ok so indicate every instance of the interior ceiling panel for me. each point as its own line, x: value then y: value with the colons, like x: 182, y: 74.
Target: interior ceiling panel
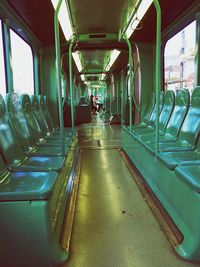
x: 39, y: 16
x: 95, y: 16
x: 105, y: 16
x: 94, y: 60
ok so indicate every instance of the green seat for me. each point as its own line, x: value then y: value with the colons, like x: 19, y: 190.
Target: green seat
x: 32, y: 206
x: 190, y: 175
x: 182, y: 102
x: 188, y: 135
x: 50, y: 117
x: 152, y: 121
x: 164, y: 117
x: 43, y: 116
x: 40, y: 137
x: 18, y: 186
x: 145, y: 121
x: 41, y: 119
x: 174, y: 159
x: 14, y: 154
x: 24, y: 132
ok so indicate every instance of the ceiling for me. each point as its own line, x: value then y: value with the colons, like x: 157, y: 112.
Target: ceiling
x: 92, y: 17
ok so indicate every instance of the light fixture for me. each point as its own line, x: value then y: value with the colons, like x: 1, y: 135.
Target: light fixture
x: 114, y: 55
x: 77, y: 60
x: 82, y: 77
x: 103, y: 76
x: 64, y: 19
x: 137, y: 17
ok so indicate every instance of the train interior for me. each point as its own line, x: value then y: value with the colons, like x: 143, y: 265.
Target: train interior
x: 99, y: 133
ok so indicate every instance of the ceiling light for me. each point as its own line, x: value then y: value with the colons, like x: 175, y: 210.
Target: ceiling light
x: 77, y: 60
x: 82, y: 77
x: 113, y: 57
x: 137, y: 17
x: 64, y: 19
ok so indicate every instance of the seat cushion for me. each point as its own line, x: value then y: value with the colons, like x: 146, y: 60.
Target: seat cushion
x: 28, y: 186
x: 174, y: 159
x: 35, y: 164
x: 190, y: 175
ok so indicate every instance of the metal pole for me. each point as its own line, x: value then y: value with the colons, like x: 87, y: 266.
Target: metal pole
x: 132, y: 15
x: 158, y: 79
x: 131, y: 83
x: 110, y: 87
x: 58, y: 71
x: 9, y: 81
x: 71, y: 80
x: 117, y: 87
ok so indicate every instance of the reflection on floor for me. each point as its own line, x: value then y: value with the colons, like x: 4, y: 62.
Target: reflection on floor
x: 113, y: 227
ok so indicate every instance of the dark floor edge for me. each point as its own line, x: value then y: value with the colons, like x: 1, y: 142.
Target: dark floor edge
x: 69, y: 216
x: 171, y: 231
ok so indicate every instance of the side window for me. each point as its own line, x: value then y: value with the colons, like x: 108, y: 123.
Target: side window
x: 22, y: 65
x: 179, y: 59
x: 2, y: 65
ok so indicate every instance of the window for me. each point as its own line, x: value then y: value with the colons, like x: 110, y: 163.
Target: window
x: 22, y: 65
x: 2, y: 65
x: 179, y: 59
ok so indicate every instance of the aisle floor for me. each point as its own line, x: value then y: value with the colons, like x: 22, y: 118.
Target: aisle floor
x: 113, y: 226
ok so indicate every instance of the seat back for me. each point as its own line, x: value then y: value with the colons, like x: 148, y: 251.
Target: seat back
x: 146, y: 118
x: 3, y: 170
x: 198, y: 146
x: 180, y: 110
x: 13, y: 107
x: 190, y: 129
x: 152, y: 119
x: 38, y: 115
x: 44, y: 112
x: 30, y: 118
x: 167, y: 109
x: 50, y: 114
x: 10, y: 146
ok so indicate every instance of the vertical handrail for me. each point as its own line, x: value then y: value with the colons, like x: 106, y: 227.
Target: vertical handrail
x: 7, y: 46
x: 131, y: 82
x: 110, y: 87
x: 71, y: 80
x: 158, y: 78
x: 117, y: 86
x: 58, y: 72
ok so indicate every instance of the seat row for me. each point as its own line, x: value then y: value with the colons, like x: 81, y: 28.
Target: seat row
x: 179, y: 126
x: 37, y: 175
x: 172, y: 173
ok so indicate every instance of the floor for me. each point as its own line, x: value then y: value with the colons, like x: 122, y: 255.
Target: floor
x: 114, y: 226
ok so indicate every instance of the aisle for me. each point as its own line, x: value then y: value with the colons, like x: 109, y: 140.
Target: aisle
x: 113, y: 227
